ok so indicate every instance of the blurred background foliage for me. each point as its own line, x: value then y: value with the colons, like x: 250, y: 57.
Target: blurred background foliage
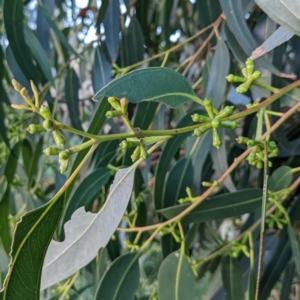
x: 71, y: 49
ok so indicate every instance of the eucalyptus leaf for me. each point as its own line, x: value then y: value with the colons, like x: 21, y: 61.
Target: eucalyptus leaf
x: 151, y: 84
x: 280, y: 179
x: 82, y: 235
x: 295, y: 247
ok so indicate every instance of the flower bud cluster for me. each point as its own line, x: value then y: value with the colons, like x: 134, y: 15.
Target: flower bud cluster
x: 120, y: 107
x: 256, y: 156
x: 214, y: 121
x: 247, y: 80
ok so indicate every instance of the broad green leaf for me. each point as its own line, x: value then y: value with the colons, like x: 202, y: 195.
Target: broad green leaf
x: 176, y: 278
x: 57, y: 31
x: 39, y: 53
x: 111, y: 24
x: 150, y: 84
x: 219, y: 69
x: 87, y: 191
x: 35, y: 228
x: 13, y: 21
x: 280, y: 179
x: 81, y: 245
x: 101, y: 69
x: 232, y: 278
x: 281, y: 12
x: 71, y: 90
x: 219, y: 207
x: 166, y: 157
x: 220, y: 164
x: 121, y: 279
x: 101, y: 14
x: 237, y: 24
x: 295, y: 248
x: 132, y: 44
x: 280, y: 36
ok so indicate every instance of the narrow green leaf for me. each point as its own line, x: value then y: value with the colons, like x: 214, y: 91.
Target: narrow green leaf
x: 166, y: 18
x: 13, y: 21
x: 175, y: 278
x: 101, y: 69
x: 295, y: 248
x: 208, y: 10
x: 237, y: 24
x: 57, y: 31
x: 280, y: 179
x: 171, y: 87
x: 280, y: 36
x: 219, y: 70
x: 34, y: 228
x: 71, y: 90
x: 166, y: 157
x: 111, y: 24
x: 219, y: 207
x: 132, y: 44
x: 232, y: 277
x: 39, y: 53
x: 27, y: 153
x: 283, y: 12
x: 121, y: 279
x: 287, y: 281
x: 87, y: 191
x: 81, y: 246
x: 34, y: 161
x: 101, y: 14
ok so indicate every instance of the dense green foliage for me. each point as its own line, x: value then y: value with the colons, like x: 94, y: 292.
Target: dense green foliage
x: 149, y: 149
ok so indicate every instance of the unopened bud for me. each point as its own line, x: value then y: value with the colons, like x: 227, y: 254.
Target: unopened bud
x: 51, y: 151
x: 136, y: 154
x: 58, y: 138
x: 114, y: 103
x: 124, y: 105
x: 16, y: 85
x: 48, y: 124
x: 111, y: 114
x: 35, y: 128
x: 45, y: 112
x: 64, y: 155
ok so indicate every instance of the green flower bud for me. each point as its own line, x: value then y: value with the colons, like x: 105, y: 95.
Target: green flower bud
x: 45, y: 112
x: 124, y: 105
x: 128, y: 144
x: 215, y: 123
x: 259, y: 164
x: 16, y: 85
x: 252, y: 143
x: 136, y: 154
x: 225, y: 112
x: 58, y: 138
x: 143, y: 152
x: 51, y: 151
x: 64, y: 164
x: 252, y: 156
x: 208, y: 107
x: 242, y: 140
x: 64, y: 155
x: 270, y: 164
x: 234, y: 78
x: 48, y: 124
x: 242, y: 88
x: 35, y: 128
x: 199, y: 131
x: 35, y: 93
x: 256, y: 75
x: 114, y: 103
x: 230, y: 78
x: 245, y: 73
x: 249, y: 66
x: 272, y: 145
x: 230, y: 124
x: 200, y: 118
x: 111, y: 114
x: 216, y: 138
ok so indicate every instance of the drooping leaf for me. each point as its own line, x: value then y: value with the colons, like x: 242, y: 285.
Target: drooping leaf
x: 238, y: 26
x: 280, y: 36
x: 176, y: 278
x: 57, y: 31
x: 219, y: 207
x: 101, y: 14
x: 87, y: 191
x: 166, y: 157
x: 208, y: 10
x: 101, y: 69
x: 81, y: 245
x: 232, y: 278
x: 34, y: 228
x: 166, y: 18
x: 71, y: 90
x: 13, y: 21
x: 132, y: 44
x: 283, y: 12
x: 111, y: 24
x: 295, y: 247
x: 151, y: 84
x: 280, y: 179
x: 121, y: 279
x: 39, y: 53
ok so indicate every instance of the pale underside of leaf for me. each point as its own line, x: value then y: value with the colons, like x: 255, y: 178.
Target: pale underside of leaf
x: 86, y: 232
